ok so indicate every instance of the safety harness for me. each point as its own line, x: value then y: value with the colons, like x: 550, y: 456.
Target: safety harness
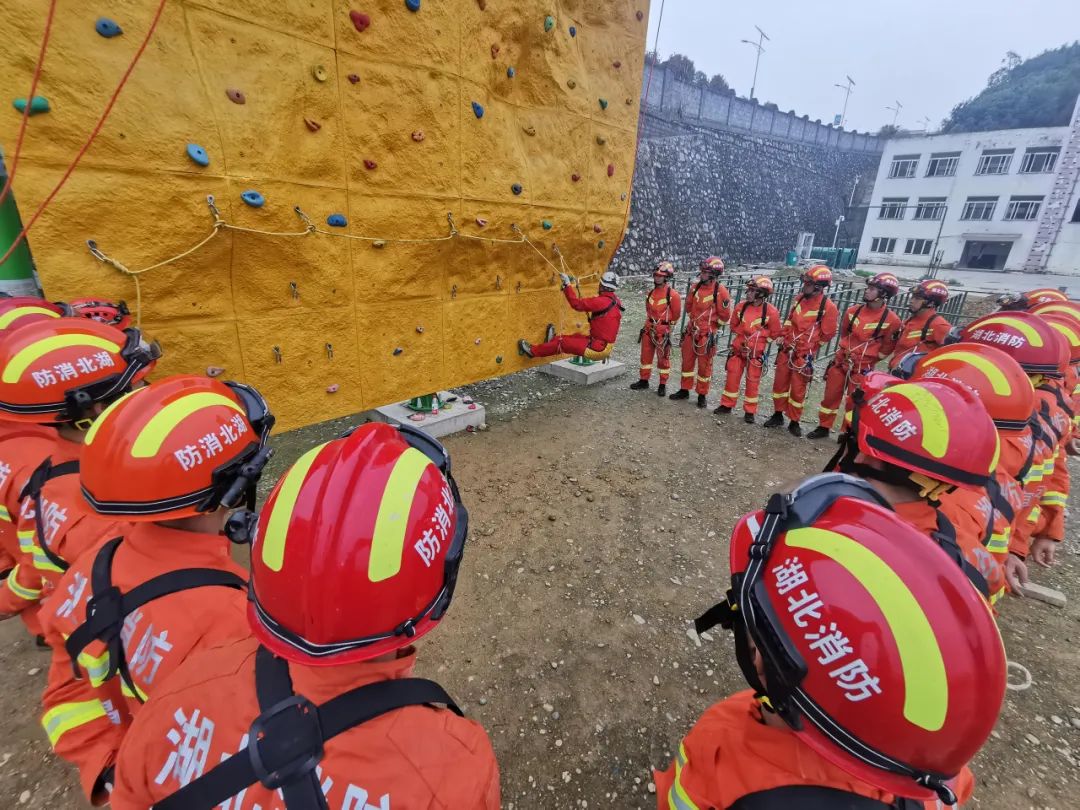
x: 287, y: 740
x: 652, y: 323
x: 815, y: 797
x: 808, y: 363
x: 615, y: 302
x: 880, y: 324
x: 35, y: 484
x: 945, y: 537
x: 1063, y: 403
x: 109, y: 606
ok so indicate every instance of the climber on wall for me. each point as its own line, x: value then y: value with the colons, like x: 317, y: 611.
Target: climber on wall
x: 605, y: 314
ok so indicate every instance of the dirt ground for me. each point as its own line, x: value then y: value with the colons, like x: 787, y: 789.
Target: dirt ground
x: 600, y: 526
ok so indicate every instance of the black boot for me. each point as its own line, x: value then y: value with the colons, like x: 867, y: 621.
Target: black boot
x: 640, y: 385
x: 661, y: 390
x: 795, y: 429
x: 701, y: 401
x: 680, y: 394
x: 776, y: 420
x: 524, y: 348
x: 748, y: 418
x: 722, y: 409
x: 818, y: 433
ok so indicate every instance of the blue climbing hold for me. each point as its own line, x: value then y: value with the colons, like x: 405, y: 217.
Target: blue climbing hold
x: 253, y: 198
x: 547, y: 224
x: 516, y: 188
x: 38, y: 104
x: 412, y: 5
x: 573, y: 31
x: 337, y: 220
x: 478, y: 109
x: 549, y: 23
x: 510, y: 73
x: 603, y: 104
x: 108, y: 28
x: 198, y: 154
x: 600, y: 244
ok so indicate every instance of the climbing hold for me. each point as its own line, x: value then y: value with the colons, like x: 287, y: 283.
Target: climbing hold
x: 108, y: 28
x: 419, y: 330
x: 418, y: 135
x: 494, y: 51
x: 333, y: 389
x: 549, y: 23
x: 510, y: 72
x: 236, y: 96
x: 398, y: 351
x: 597, y: 228
x: 498, y: 359
x: 529, y: 130
x: 253, y: 198
x: 478, y: 109
x: 481, y: 222
x: 38, y: 104
x: 379, y: 243
x: 198, y: 154
x: 319, y: 72
x: 623, y: 196
x: 616, y: 64
x: 337, y: 221
x: 547, y: 224
x: 611, y: 170
x: 412, y: 5
x: 575, y: 177
x: 370, y: 165
x: 629, y: 102
x: 214, y: 371
x: 482, y: 4
x: 600, y: 244
x: 353, y: 78
x: 294, y: 290
x: 573, y: 31
x: 600, y: 140
x: 277, y: 354
x: 314, y: 126
x: 603, y: 104
x: 516, y: 188
x: 571, y: 83
x: 360, y: 20
x: 477, y: 341
x: 640, y: 16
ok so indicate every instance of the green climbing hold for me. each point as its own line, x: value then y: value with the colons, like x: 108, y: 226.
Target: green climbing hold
x: 603, y: 104
x: 600, y: 244
x: 547, y: 224
x: 549, y: 23
x: 38, y: 104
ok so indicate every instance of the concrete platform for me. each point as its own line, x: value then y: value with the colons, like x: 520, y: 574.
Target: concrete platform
x: 455, y: 418
x: 584, y: 375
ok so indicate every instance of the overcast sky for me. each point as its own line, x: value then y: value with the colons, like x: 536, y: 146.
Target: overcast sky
x: 928, y: 54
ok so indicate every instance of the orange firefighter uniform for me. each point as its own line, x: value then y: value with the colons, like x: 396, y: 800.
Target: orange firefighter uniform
x: 708, y: 306
x: 754, y: 326
x: 1051, y: 522
x: 810, y: 323
x: 411, y: 758
x: 866, y: 336
x: 1054, y: 426
x: 730, y: 753
x: 663, y: 308
x: 920, y: 333
x: 85, y: 717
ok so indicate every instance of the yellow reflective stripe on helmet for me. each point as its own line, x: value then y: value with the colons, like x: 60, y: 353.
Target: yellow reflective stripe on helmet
x: 65, y: 717
x: 24, y: 593
x: 926, y: 688
x: 935, y: 423
x: 272, y: 542
x: 1069, y: 333
x: 154, y: 433
x: 678, y: 798
x: 997, y: 453
x: 1026, y: 329
x: 998, y: 381
x: 388, y: 542
x: 92, y: 432
x: 13, y: 315
x: 35, y: 351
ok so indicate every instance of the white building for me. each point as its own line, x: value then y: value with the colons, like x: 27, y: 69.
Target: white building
x: 1004, y: 200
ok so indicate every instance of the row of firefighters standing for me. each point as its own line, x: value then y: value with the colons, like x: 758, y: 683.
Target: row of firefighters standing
x: 180, y: 680
x: 869, y: 333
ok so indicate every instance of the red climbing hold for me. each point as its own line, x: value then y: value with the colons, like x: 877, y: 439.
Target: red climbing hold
x: 640, y: 16
x: 482, y: 4
x: 597, y: 228
x: 314, y: 126
x: 611, y: 170
x: 494, y: 51
x: 418, y: 136
x: 616, y: 64
x: 481, y: 222
x: 575, y: 177
x: 236, y: 96
x: 361, y: 21
x: 370, y: 164
x: 333, y: 389
x: 353, y: 78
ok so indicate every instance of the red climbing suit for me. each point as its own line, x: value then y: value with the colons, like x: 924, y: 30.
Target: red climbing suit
x: 810, y: 324
x: 662, y: 310
x: 708, y: 305
x: 730, y: 753
x: 605, y: 315
x: 754, y: 326
x: 866, y: 335
x: 920, y: 333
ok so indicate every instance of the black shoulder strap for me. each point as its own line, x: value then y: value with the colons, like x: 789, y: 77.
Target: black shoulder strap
x: 1048, y: 420
x: 667, y: 299
x: 999, y: 501
x: 945, y: 537
x: 881, y: 323
x: 814, y: 797
x: 927, y: 325
x: 855, y: 317
x: 286, y: 741
x: 44, y: 473
x: 765, y: 313
x: 1037, y: 435
x: 821, y: 309
x: 109, y: 606
x: 1060, y: 397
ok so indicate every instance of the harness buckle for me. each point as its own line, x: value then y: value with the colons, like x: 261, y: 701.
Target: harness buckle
x: 292, y: 754
x: 103, y: 614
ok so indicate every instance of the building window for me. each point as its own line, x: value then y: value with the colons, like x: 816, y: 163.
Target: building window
x: 882, y: 244
x: 995, y: 161
x: 919, y: 247
x: 1023, y: 208
x: 979, y: 208
x: 892, y: 207
x: 904, y: 166
x: 930, y: 208
x: 942, y: 164
x: 1040, y: 160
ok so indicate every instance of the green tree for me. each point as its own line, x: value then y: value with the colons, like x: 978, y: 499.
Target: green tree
x: 888, y: 131
x: 719, y: 84
x: 681, y: 67
x: 1038, y: 92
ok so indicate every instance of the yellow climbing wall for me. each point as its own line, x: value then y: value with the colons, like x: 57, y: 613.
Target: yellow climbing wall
x: 391, y: 142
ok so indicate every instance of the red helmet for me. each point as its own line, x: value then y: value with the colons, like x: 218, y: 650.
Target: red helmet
x: 886, y: 282
x: 762, y: 284
x: 818, y: 274
x: 1044, y: 295
x: 931, y: 290
x: 713, y: 265
x: 876, y: 649
x: 665, y: 270
x: 114, y: 314
x: 54, y: 370
x: 1069, y: 308
x: 357, y: 548
x: 175, y: 449
x: 1069, y: 329
x: 1003, y: 387
x: 1027, y: 338
x: 21, y: 310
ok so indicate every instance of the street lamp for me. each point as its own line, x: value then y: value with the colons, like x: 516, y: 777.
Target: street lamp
x: 847, y: 95
x: 896, y: 112
x: 757, y: 61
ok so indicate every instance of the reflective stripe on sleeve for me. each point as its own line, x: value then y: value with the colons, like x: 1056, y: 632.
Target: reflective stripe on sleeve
x: 678, y: 799
x: 687, y: 374
x: 1054, y: 499
x: 1034, y: 516
x: 66, y: 717
x: 5, y: 514
x: 27, y: 594
x: 999, y: 543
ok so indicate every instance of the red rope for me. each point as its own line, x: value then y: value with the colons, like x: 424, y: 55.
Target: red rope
x: 93, y: 135
x: 29, y: 100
